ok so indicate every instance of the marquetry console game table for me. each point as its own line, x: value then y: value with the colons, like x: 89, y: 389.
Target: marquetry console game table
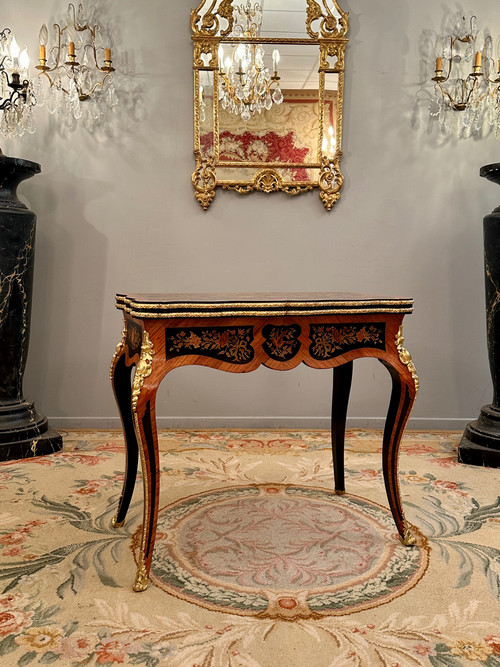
x: 238, y: 333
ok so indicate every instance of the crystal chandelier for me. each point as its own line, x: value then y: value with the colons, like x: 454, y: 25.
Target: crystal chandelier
x: 246, y: 85
x: 17, y: 97
x: 77, y: 67
x: 467, y: 79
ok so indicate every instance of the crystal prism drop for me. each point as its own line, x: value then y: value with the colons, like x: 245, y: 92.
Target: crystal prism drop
x: 81, y: 19
x: 29, y: 122
x: 111, y: 96
x: 51, y: 100
x: 77, y: 109
x: 278, y: 96
x: 94, y: 109
x: 73, y: 93
x: 86, y: 82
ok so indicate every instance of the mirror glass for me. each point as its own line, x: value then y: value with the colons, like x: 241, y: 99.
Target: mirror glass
x: 268, y: 96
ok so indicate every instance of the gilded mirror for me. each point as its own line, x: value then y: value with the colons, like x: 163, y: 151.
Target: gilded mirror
x: 268, y: 92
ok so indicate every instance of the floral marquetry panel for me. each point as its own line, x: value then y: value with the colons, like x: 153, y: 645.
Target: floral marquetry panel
x: 261, y: 123
x: 281, y: 342
x: 134, y: 338
x: 232, y: 344
x: 330, y: 340
x: 244, y: 343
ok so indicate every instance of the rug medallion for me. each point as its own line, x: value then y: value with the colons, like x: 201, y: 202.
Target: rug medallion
x: 282, y: 551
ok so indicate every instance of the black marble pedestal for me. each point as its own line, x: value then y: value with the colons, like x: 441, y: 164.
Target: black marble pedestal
x: 480, y: 443
x: 23, y: 432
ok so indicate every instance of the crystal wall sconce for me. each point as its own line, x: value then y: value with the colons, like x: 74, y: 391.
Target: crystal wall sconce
x: 16, y: 88
x: 467, y: 80
x: 77, y: 67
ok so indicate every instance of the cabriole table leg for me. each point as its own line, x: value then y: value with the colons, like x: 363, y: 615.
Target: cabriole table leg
x: 402, y: 399
x: 122, y: 387
x: 342, y: 378
x: 143, y: 409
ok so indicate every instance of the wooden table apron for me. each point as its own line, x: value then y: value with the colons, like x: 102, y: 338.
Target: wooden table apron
x: 143, y: 345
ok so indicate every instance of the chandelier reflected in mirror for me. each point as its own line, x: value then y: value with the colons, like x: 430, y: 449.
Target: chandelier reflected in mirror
x: 246, y: 85
x: 467, y: 80
x: 77, y: 67
x: 17, y: 96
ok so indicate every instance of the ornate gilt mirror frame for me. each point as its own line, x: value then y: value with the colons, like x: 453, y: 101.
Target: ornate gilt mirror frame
x: 213, y: 27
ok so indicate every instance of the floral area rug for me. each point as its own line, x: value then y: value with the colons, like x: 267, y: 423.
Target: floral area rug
x: 257, y: 562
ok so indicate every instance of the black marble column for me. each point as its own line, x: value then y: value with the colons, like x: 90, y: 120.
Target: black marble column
x: 480, y: 443
x: 23, y: 432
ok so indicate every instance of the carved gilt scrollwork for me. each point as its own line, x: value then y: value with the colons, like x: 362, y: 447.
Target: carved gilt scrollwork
x: 267, y: 180
x: 205, y: 47
x: 330, y: 25
x: 204, y: 180
x: 331, y: 49
x: 209, y: 22
x: 330, y: 181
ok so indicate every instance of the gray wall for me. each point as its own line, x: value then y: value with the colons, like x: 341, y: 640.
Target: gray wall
x: 117, y: 213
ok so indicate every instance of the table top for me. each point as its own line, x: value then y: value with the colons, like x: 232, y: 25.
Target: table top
x: 168, y: 305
